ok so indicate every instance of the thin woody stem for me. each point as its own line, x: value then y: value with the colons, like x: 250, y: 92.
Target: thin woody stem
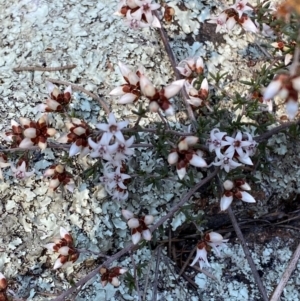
x: 239, y: 234
x: 44, y: 69
x: 171, y: 56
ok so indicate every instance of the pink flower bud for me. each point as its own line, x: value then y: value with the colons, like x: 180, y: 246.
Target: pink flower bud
x: 148, y: 219
x: 153, y: 106
x: 54, y: 183
x: 173, y: 158
x: 127, y: 98
x: 181, y: 172
x: 24, y: 121
x: 58, y: 264
x: 197, y: 161
x: 79, y: 131
x: 136, y: 237
x: 225, y: 201
x: 50, y: 246
x: 147, y: 87
x: 127, y: 214
x: 30, y: 133
x: 147, y: 234
x: 246, y: 197
x: 26, y: 143
x: 214, y: 237
x: 133, y: 223
x: 53, y: 105
x: 115, y: 281
x: 64, y: 250
x: 51, y: 132
x: 228, y: 185
x: 173, y: 88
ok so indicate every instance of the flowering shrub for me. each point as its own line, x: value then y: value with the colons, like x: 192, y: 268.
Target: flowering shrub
x: 211, y: 143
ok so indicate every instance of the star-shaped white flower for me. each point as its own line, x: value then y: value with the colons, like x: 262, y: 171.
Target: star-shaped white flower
x: 113, y: 128
x: 20, y: 171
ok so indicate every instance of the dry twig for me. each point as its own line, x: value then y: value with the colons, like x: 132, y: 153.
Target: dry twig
x: 239, y: 234
x: 78, y: 88
x: 287, y: 274
x: 171, y: 56
x: 43, y: 69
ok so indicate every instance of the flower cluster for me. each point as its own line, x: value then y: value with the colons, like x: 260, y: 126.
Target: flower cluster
x: 236, y: 190
x: 113, y: 148
x: 184, y: 155
x: 138, y: 84
x: 3, y: 288
x: 111, y: 275
x: 211, y: 240
x: 139, y: 226
x: 65, y: 248
x: 284, y: 49
x: 79, y: 133
x: 235, y: 15
x: 229, y: 149
x: 29, y: 133
x: 59, y: 176
x: 286, y: 87
x: 58, y: 101
x: 114, y: 180
x: 191, y: 68
x: 138, y: 13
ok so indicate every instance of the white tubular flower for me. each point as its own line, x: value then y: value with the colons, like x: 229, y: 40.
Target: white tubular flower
x: 251, y: 148
x: 201, y: 255
x: 215, y: 141
x: 117, y: 179
x: 219, y: 20
x: 113, y: 128
x: 124, y: 150
x: 226, y: 163
x: 145, y: 9
x: 235, y: 145
x: 102, y: 149
x: 241, y: 6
